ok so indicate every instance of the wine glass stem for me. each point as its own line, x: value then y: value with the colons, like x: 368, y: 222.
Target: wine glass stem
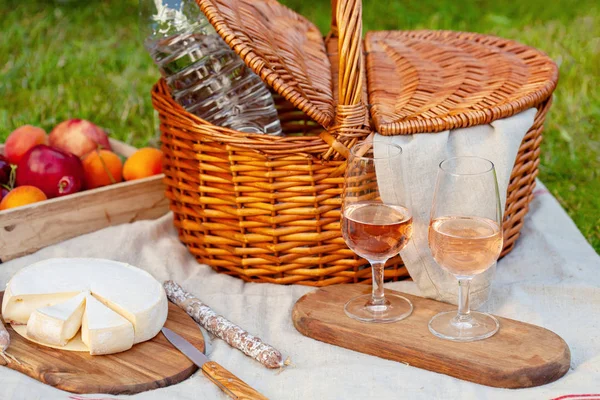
x: 464, y: 310
x: 377, y: 296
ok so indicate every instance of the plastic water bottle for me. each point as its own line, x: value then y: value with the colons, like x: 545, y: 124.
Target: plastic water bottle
x: 205, y: 76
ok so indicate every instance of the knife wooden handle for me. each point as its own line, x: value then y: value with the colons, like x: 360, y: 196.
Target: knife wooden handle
x: 233, y: 386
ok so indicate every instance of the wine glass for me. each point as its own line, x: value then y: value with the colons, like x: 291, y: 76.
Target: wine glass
x: 376, y: 225
x: 465, y: 238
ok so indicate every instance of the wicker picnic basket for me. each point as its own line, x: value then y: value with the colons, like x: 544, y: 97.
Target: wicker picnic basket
x: 267, y: 209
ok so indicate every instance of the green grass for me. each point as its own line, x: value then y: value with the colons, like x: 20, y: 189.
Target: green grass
x: 61, y: 60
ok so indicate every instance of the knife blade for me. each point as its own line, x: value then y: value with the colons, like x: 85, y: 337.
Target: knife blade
x: 230, y: 384
x: 188, y: 349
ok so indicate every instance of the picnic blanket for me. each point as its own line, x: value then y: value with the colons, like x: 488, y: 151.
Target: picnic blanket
x: 551, y: 279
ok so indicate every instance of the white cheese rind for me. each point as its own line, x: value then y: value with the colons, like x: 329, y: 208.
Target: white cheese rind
x: 57, y: 324
x: 103, y: 330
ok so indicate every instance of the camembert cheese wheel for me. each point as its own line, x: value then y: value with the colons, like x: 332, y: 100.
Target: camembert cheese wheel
x: 47, y: 290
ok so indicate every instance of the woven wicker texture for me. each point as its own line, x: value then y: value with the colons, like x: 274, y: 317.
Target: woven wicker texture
x: 250, y: 210
x: 267, y: 209
x: 431, y: 81
x: 282, y: 47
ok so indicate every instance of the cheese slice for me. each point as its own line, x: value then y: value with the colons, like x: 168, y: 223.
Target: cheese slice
x: 103, y: 330
x: 57, y: 324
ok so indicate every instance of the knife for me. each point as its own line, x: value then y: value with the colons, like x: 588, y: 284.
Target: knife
x: 233, y: 386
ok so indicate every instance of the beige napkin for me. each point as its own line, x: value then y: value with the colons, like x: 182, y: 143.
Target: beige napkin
x: 416, y: 174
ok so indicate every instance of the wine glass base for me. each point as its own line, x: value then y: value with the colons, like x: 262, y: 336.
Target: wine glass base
x: 447, y: 326
x: 395, y: 309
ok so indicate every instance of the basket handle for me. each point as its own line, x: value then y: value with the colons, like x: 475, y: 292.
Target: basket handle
x: 334, y: 27
x: 351, y: 113
x: 348, y: 23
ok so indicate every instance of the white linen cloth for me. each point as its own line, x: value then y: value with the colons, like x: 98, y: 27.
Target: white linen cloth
x: 415, y: 175
x: 551, y: 278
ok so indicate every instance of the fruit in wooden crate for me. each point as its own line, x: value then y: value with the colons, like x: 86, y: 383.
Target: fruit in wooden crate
x: 5, y: 169
x: 143, y: 163
x: 79, y: 137
x: 55, y: 172
x: 21, y: 196
x: 21, y: 140
x: 102, y: 168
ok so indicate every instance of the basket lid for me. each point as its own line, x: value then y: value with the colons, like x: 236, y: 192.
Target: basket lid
x: 431, y: 81
x: 285, y: 49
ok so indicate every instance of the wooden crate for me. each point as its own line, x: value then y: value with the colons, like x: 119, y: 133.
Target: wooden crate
x: 27, y: 229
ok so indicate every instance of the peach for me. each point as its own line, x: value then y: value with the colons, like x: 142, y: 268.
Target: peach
x: 102, y: 168
x: 143, y: 163
x: 22, y: 196
x: 21, y: 140
x: 79, y: 137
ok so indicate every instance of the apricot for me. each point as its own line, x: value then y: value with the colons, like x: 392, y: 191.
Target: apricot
x: 143, y: 163
x: 102, y: 168
x: 21, y: 140
x: 22, y: 196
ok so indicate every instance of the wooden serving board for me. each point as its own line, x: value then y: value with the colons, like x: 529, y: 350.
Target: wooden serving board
x: 148, y: 365
x: 520, y: 355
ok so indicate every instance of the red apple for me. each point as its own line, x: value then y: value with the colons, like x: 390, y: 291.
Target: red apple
x: 53, y: 171
x: 79, y: 137
x: 21, y: 140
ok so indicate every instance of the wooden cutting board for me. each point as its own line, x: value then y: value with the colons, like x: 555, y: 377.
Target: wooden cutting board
x: 148, y: 365
x: 520, y: 355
